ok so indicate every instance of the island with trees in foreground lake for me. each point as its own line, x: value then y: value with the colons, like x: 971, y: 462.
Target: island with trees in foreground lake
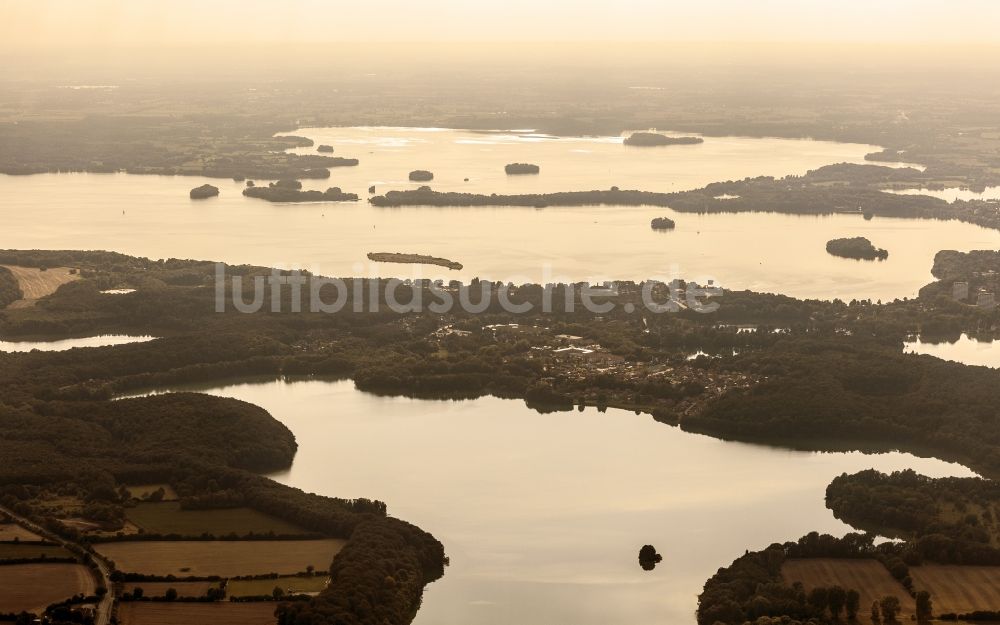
x: 858, y: 248
x: 662, y: 223
x: 413, y: 259
x: 654, y: 139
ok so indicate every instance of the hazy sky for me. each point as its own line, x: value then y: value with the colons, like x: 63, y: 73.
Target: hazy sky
x: 101, y: 22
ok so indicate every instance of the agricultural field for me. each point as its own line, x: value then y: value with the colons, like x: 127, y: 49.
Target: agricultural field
x: 33, y: 587
x: 291, y: 585
x: 13, y: 531
x: 18, y: 551
x: 142, y: 491
x: 221, y: 613
x: 36, y: 283
x: 159, y: 589
x: 869, y: 577
x: 223, y: 558
x: 169, y: 518
x: 959, y: 588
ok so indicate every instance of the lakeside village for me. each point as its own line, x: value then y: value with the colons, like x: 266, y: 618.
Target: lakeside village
x: 594, y: 376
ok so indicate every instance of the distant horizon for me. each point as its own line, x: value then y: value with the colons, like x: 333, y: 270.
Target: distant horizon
x: 109, y: 22
x: 123, y: 61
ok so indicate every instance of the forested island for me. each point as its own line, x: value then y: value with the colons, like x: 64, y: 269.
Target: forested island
x: 858, y: 248
x: 421, y: 175
x: 514, y: 169
x: 654, y: 139
x: 204, y: 191
x: 279, y: 192
x: 414, y: 259
x: 662, y: 223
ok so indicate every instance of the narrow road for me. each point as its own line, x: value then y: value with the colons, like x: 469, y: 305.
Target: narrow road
x: 103, y: 616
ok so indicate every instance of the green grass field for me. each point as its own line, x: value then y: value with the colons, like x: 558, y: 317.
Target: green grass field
x: 291, y: 585
x: 168, y: 518
x: 14, y: 551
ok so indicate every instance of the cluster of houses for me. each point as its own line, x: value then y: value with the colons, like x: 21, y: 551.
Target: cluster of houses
x: 984, y: 299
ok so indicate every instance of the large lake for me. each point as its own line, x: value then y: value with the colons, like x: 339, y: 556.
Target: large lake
x: 153, y: 216
x: 543, y: 515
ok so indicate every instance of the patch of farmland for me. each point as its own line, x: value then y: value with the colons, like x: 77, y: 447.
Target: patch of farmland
x: 168, y: 518
x: 36, y: 284
x: 159, y: 589
x: 225, y: 558
x: 33, y: 587
x: 869, y: 577
x: 219, y: 613
x: 13, y: 531
x: 20, y: 551
x: 959, y: 588
x: 290, y: 585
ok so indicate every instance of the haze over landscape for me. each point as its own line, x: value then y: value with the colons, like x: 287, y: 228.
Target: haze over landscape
x: 451, y: 313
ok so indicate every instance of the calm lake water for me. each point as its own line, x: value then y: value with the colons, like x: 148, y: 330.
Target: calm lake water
x: 64, y: 344
x: 153, y: 216
x: 965, y: 350
x: 952, y: 193
x: 543, y: 515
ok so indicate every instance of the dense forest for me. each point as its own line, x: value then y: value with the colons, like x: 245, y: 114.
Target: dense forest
x: 946, y: 520
x: 10, y: 290
x: 852, y: 394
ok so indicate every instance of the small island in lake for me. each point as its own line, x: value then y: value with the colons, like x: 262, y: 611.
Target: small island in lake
x: 421, y: 175
x: 662, y: 223
x: 514, y: 169
x: 413, y: 259
x: 648, y: 558
x: 291, y: 191
x: 315, y: 172
x: 204, y: 191
x: 859, y: 248
x: 652, y: 139
x: 327, y: 149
